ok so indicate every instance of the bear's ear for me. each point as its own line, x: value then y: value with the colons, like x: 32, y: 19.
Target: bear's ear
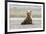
x: 30, y: 11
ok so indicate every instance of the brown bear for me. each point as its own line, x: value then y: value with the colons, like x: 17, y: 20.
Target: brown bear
x: 28, y: 19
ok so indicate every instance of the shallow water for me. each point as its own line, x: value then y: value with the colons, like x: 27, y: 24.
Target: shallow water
x: 16, y: 24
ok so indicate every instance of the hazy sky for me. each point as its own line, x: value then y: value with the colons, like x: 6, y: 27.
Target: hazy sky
x: 20, y: 9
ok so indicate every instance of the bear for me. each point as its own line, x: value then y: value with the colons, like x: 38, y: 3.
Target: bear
x: 28, y: 19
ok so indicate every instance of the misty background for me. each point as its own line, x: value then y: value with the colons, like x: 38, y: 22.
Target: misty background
x: 20, y: 10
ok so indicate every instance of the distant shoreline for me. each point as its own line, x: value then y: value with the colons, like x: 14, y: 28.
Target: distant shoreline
x: 24, y: 18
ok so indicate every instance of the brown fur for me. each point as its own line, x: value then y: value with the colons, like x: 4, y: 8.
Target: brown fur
x: 28, y: 19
